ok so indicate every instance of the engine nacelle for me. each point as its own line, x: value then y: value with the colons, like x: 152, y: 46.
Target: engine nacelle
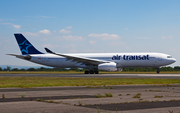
x: 108, y: 67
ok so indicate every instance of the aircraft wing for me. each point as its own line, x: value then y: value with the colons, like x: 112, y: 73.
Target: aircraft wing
x: 78, y: 59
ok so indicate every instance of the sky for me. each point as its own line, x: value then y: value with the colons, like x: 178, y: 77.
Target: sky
x: 90, y: 26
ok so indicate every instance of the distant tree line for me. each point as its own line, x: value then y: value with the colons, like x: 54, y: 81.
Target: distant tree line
x: 151, y: 69
x: 8, y: 68
x: 140, y: 69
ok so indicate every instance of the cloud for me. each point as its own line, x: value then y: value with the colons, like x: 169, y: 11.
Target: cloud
x: 92, y: 42
x: 29, y: 33
x: 92, y: 51
x: 173, y: 50
x: 44, y: 39
x: 142, y: 37
x: 16, y: 26
x: 70, y: 46
x: 45, y: 31
x: 69, y: 27
x: 13, y: 25
x: 73, y: 51
x: 105, y: 36
x: 167, y: 37
x: 64, y: 31
x: 50, y: 46
x: 129, y: 48
x: 70, y: 37
x: 126, y: 28
x: 117, y: 43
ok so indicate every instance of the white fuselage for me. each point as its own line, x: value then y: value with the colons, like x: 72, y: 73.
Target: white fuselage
x: 121, y: 59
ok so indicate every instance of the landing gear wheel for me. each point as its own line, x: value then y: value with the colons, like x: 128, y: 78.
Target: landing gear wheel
x: 91, y: 72
x: 86, y: 72
x: 96, y: 72
x: 157, y: 71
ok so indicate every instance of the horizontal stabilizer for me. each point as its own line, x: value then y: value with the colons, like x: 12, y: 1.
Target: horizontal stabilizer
x: 27, y: 57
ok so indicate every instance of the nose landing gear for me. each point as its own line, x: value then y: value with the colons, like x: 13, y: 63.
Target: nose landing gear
x: 158, y: 71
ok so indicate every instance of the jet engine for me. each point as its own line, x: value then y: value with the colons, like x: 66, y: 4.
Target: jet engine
x: 108, y: 67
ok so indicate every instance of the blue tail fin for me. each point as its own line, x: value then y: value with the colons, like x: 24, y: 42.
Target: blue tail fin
x: 25, y: 46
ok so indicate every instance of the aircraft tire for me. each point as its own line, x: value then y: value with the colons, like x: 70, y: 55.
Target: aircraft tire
x: 157, y: 71
x: 91, y: 72
x: 96, y: 72
x: 86, y: 72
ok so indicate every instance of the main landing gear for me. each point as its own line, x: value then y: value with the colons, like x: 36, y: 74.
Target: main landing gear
x: 91, y: 72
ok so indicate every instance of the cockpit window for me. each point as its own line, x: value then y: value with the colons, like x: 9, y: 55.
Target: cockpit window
x: 169, y: 56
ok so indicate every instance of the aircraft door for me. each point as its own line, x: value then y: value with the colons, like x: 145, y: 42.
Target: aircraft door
x: 159, y: 57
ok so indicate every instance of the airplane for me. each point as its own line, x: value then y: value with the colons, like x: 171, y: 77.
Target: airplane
x: 93, y: 62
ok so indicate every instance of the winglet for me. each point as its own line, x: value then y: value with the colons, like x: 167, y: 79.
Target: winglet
x: 48, y: 51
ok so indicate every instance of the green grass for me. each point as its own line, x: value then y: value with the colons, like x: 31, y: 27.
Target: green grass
x: 158, y: 91
x: 120, y: 95
x: 158, y: 96
x: 80, y: 103
x: 137, y: 95
x: 3, y: 96
x: 22, y: 95
x: 28, y: 82
x: 98, y: 95
x: 40, y: 72
x: 74, y: 72
x: 108, y: 94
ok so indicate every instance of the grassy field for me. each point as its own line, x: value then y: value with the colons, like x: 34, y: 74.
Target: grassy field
x: 29, y: 82
x: 74, y: 72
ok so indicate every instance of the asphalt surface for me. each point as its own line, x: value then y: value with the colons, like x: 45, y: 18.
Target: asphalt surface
x: 168, y: 76
x: 82, y: 88
x: 67, y: 99
x: 136, y: 106
x: 70, y: 97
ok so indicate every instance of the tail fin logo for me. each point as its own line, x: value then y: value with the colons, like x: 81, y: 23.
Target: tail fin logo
x: 24, y: 46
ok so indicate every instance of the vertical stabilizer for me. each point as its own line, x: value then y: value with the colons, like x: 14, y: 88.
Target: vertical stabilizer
x: 25, y: 46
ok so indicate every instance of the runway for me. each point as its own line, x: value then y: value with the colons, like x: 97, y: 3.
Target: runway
x: 153, y: 98
x: 168, y: 76
x: 81, y: 99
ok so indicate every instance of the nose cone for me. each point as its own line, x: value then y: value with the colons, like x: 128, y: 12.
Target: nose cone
x: 173, y: 60
x: 169, y: 61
